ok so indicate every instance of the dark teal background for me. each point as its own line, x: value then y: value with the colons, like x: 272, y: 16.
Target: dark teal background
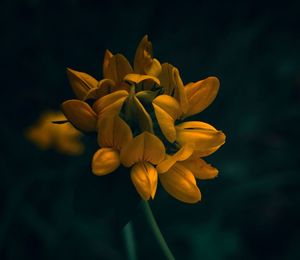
x: 251, y: 211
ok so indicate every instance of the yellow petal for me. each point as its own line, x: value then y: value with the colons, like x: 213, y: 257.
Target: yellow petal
x: 143, y: 60
x: 105, y: 161
x: 166, y: 78
x: 181, y: 184
x: 144, y: 178
x: 80, y: 114
x: 154, y: 69
x: 198, y: 152
x: 117, y: 68
x: 167, y: 110
x: 144, y: 147
x: 138, y: 78
x: 107, y: 56
x: 113, y: 132
x: 81, y: 82
x: 201, y: 169
x: 182, y: 154
x: 201, y: 136
x: 110, y: 104
x: 104, y: 87
x: 201, y: 94
x: 179, y: 92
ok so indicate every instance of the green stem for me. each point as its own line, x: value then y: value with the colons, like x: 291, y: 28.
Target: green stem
x: 128, y: 237
x: 156, y: 231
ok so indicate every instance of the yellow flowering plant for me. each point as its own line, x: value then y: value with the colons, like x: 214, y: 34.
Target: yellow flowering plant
x: 140, y: 115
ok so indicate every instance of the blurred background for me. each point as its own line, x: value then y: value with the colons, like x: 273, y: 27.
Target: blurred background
x: 251, y: 211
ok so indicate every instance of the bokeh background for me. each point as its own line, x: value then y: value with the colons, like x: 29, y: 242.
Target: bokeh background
x: 251, y: 211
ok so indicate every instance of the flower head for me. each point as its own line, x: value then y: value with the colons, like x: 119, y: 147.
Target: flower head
x: 139, y: 113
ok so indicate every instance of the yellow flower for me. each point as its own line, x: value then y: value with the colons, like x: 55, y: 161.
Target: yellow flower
x: 114, y: 135
x: 85, y: 118
x: 180, y: 182
x: 193, y: 97
x: 143, y: 60
x: 62, y: 137
x: 143, y: 152
x: 118, y: 74
x: 138, y: 112
x: 85, y: 86
x: 203, y: 138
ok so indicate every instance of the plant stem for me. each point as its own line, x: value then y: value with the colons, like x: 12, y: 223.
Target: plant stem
x: 128, y: 237
x: 156, y: 231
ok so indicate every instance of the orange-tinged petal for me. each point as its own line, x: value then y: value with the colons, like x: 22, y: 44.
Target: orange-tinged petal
x: 107, y: 56
x: 201, y: 94
x: 179, y: 92
x: 113, y: 132
x: 200, y: 168
x: 144, y: 178
x: 81, y: 82
x: 117, y: 68
x: 166, y: 78
x: 180, y: 183
x: 105, y: 161
x: 198, y: 152
x: 111, y: 103
x: 80, y: 114
x: 167, y: 110
x: 138, y: 78
x: 200, y: 135
x: 143, y: 60
x: 144, y: 147
x: 182, y: 154
x: 154, y: 69
x: 104, y: 87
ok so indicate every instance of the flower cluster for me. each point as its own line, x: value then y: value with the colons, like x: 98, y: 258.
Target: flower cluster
x: 139, y: 114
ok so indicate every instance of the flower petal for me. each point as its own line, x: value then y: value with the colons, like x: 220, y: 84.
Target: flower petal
x: 201, y: 136
x: 179, y: 92
x: 144, y: 178
x: 198, y: 152
x: 143, y: 60
x: 181, y: 184
x: 113, y: 132
x: 104, y: 87
x: 117, y: 68
x: 137, y: 114
x: 107, y: 56
x: 166, y: 78
x: 144, y: 147
x: 167, y: 110
x: 80, y: 114
x: 81, y: 82
x: 105, y: 161
x: 201, y: 94
x: 110, y: 104
x: 201, y: 169
x: 145, y: 120
x: 138, y: 78
x: 182, y: 154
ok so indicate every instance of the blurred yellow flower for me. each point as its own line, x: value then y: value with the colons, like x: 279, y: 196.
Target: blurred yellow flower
x: 62, y: 137
x: 139, y: 113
